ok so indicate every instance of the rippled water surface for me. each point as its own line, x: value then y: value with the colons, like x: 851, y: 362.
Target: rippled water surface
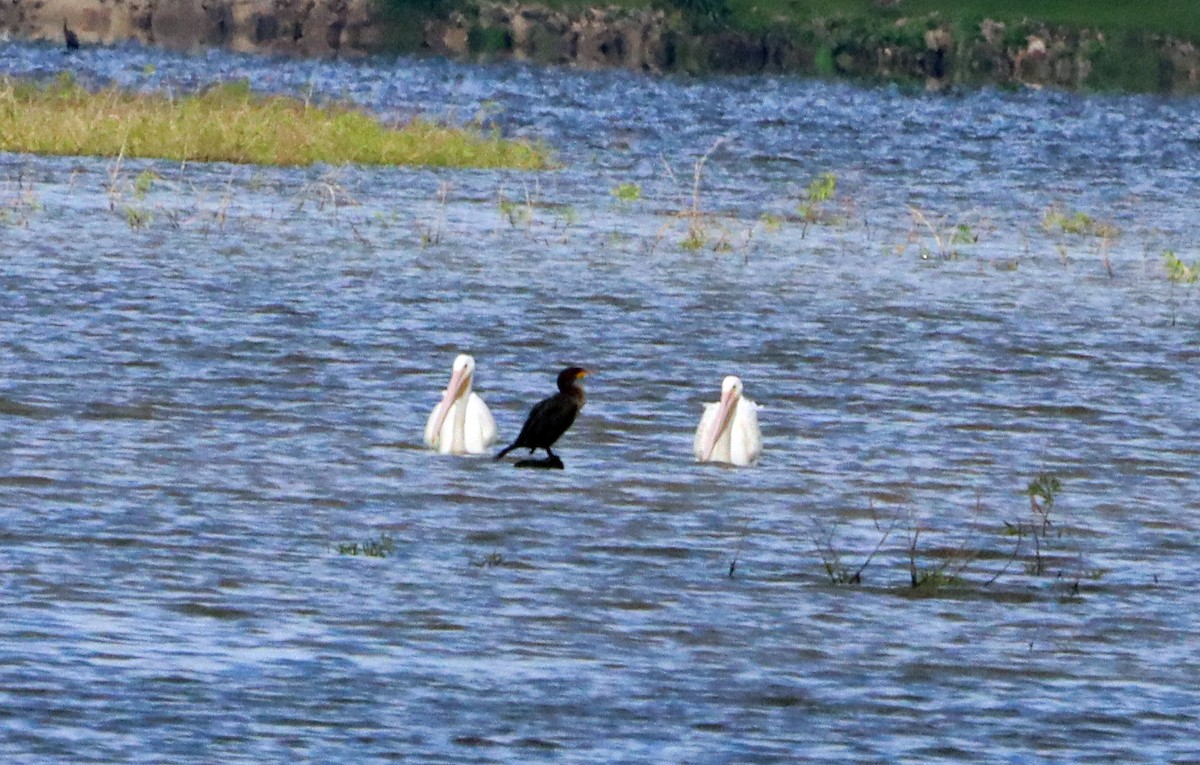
x: 213, y: 383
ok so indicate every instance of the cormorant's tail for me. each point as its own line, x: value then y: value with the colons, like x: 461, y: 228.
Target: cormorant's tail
x: 506, y: 450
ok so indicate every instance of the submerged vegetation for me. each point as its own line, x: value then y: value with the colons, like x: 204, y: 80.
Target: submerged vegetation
x: 820, y: 190
x: 628, y: 192
x: 972, y: 563
x: 1178, y: 271
x: 382, y: 547
x: 1060, y: 222
x: 229, y: 123
x: 1058, y: 219
x: 1181, y: 275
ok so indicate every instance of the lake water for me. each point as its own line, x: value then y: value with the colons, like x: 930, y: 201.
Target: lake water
x: 213, y: 385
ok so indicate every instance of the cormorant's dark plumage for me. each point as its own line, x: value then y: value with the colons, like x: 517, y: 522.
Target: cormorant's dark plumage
x: 69, y: 37
x: 551, y: 417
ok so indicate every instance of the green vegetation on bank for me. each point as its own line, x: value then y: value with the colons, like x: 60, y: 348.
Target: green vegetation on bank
x: 1150, y: 46
x: 1125, y: 53
x: 1177, y: 18
x: 229, y: 123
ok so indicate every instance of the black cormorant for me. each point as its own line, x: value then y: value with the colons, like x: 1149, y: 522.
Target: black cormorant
x: 69, y: 37
x: 551, y: 416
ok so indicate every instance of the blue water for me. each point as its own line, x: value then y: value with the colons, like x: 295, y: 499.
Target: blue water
x: 211, y: 390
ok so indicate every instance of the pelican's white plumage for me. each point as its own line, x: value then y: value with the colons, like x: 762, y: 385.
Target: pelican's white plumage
x: 461, y: 423
x: 728, y: 429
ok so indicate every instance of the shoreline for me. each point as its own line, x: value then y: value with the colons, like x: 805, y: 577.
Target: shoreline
x: 923, y: 51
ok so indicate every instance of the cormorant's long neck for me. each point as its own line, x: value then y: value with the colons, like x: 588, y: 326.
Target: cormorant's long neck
x: 573, y: 392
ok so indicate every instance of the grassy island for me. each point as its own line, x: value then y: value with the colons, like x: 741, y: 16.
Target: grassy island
x: 229, y: 123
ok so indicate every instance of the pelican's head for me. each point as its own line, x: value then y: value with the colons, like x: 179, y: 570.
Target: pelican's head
x: 731, y: 387
x: 465, y: 364
x: 731, y: 394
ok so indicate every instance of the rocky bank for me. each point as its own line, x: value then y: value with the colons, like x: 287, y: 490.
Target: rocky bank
x: 297, y: 27
x: 924, y: 50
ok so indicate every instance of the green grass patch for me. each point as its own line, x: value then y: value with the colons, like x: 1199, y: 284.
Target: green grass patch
x: 628, y: 192
x: 1180, y: 272
x: 229, y: 123
x: 1177, y: 18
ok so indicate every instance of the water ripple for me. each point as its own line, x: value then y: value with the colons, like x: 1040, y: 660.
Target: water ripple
x: 207, y: 421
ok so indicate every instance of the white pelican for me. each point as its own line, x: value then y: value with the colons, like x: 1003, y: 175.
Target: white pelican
x: 461, y: 423
x: 728, y: 430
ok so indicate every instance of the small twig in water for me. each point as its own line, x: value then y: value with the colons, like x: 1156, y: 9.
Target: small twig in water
x: 1016, y: 551
x: 912, y: 557
x: 857, y: 577
x: 737, y: 554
